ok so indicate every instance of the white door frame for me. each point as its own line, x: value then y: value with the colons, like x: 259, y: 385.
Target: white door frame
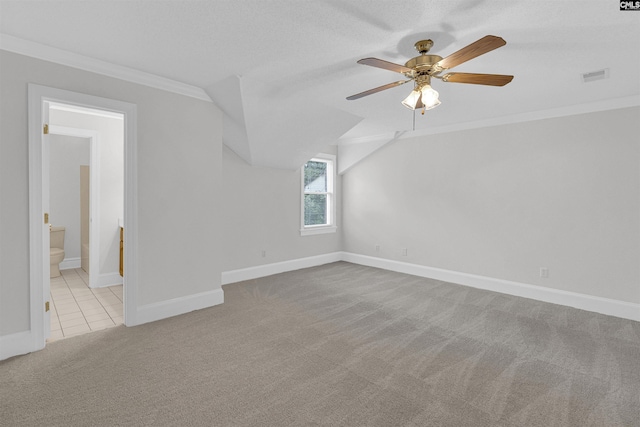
x: 94, y: 193
x: 38, y: 253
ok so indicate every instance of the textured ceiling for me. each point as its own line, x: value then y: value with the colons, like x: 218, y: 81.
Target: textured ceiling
x: 281, y: 69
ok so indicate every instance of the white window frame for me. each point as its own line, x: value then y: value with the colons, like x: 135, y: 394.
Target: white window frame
x: 330, y: 227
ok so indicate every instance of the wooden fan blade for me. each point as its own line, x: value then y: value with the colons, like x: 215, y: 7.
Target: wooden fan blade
x: 477, y: 79
x: 378, y: 89
x: 379, y: 63
x: 475, y: 49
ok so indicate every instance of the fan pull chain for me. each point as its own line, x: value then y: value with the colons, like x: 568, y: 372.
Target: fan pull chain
x: 414, y: 120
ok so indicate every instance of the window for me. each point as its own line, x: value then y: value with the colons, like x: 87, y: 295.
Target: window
x: 318, y: 195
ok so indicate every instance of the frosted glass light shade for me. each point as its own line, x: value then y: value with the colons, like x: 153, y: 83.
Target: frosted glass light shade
x: 429, y: 97
x: 412, y: 100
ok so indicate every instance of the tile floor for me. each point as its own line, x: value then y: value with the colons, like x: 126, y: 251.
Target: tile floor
x: 77, y: 309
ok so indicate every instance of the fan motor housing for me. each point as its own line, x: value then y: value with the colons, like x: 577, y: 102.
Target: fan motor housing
x: 422, y: 63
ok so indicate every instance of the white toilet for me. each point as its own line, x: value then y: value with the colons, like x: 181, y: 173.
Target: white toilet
x: 56, y: 250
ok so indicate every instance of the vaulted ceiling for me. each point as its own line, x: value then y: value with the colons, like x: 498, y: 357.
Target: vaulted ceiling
x: 280, y: 70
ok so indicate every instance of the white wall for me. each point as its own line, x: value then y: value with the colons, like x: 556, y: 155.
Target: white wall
x: 504, y: 201
x: 499, y: 202
x: 179, y: 169
x: 111, y: 198
x: 66, y: 154
x: 261, y: 211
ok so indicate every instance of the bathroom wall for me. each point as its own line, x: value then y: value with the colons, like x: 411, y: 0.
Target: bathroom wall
x: 111, y: 198
x: 67, y: 154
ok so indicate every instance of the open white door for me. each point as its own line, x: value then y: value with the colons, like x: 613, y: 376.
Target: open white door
x: 46, y: 281
x: 94, y: 200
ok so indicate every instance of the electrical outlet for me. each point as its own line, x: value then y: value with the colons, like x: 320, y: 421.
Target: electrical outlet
x: 377, y: 248
x: 404, y: 251
x: 544, y: 272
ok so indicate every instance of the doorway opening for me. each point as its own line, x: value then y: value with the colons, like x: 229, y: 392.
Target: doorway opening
x: 45, y: 104
x: 86, y: 203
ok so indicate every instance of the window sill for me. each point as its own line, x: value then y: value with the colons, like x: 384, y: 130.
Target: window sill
x: 319, y: 229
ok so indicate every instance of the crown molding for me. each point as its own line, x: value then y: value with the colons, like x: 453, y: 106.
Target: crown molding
x: 571, y: 110
x: 63, y: 57
x: 389, y: 136
x: 353, y: 150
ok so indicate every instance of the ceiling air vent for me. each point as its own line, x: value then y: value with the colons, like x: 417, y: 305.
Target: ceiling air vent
x: 595, y: 75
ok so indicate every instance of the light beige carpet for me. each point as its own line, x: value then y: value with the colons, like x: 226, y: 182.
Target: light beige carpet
x: 339, y: 345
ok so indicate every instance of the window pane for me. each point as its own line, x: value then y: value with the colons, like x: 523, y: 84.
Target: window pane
x: 315, y: 209
x: 315, y: 177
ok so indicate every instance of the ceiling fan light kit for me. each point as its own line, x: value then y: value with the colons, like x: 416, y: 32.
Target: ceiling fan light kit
x: 423, y: 67
x: 422, y: 97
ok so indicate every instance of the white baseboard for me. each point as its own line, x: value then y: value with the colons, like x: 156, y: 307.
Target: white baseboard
x: 69, y: 263
x: 22, y: 342
x: 108, y: 279
x: 163, y: 309
x: 611, y: 307
x: 607, y: 306
x: 16, y: 344
x: 242, y: 274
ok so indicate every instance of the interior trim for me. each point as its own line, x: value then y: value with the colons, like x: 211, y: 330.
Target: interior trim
x: 39, y: 247
x: 21, y: 342
x: 16, y: 344
x: 552, y: 113
x: 181, y: 305
x: 63, y: 57
x: 595, y: 304
x: 611, y: 307
x: 70, y: 263
x: 249, y: 273
x: 108, y: 279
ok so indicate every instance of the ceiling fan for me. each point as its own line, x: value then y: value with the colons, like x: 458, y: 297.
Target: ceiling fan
x: 423, y: 67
